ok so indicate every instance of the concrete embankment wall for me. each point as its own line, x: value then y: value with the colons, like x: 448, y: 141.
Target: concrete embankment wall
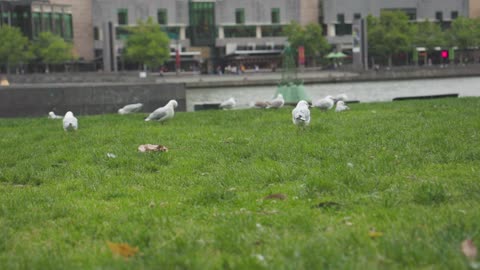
x: 22, y: 101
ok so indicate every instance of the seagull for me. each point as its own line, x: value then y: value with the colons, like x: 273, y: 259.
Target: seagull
x: 130, y: 108
x: 277, y: 102
x: 70, y: 122
x: 341, y: 106
x: 52, y: 115
x: 301, y: 114
x: 228, y: 104
x: 325, y: 103
x: 343, y: 97
x: 163, y: 113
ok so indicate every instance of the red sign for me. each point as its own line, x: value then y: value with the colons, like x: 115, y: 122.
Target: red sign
x: 301, y: 55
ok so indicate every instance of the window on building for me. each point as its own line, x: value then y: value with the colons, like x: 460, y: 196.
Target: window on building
x: 96, y: 33
x: 357, y: 16
x: 5, y: 18
x: 68, y: 30
x: 275, y: 15
x: 57, y: 24
x: 239, y: 16
x: 122, y: 16
x: 439, y: 16
x: 340, y: 18
x: 37, y: 24
x: 47, y: 22
x: 454, y: 15
x: 162, y: 16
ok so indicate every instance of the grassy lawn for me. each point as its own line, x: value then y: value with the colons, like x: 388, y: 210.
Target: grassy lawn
x: 382, y: 186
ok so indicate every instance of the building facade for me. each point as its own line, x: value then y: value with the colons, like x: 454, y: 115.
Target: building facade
x: 474, y: 8
x: 57, y: 16
x: 338, y: 15
x: 205, y: 31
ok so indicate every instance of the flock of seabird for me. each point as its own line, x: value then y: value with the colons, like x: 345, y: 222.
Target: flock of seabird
x: 300, y: 114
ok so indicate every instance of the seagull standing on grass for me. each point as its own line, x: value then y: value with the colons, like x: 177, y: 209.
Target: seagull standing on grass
x: 343, y: 97
x: 341, y: 106
x: 228, y: 104
x: 277, y: 102
x: 130, y: 108
x: 301, y: 114
x: 52, y: 115
x: 163, y: 113
x: 70, y: 122
x: 325, y: 103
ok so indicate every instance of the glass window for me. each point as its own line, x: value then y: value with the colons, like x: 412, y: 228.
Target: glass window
x: 57, y: 24
x: 239, y: 16
x: 357, y: 16
x: 37, y: 24
x: 96, y: 33
x: 68, y: 30
x: 162, y: 16
x: 47, y: 22
x: 240, y: 31
x: 272, y: 31
x: 439, y: 16
x: 454, y: 15
x: 5, y: 17
x: 340, y: 18
x: 122, y: 16
x: 275, y: 15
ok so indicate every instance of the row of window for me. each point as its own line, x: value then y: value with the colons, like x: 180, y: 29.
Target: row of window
x: 411, y: 13
x: 162, y: 16
x: 57, y: 23
x: 239, y: 31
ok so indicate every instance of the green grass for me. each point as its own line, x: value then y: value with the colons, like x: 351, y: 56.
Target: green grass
x: 408, y: 169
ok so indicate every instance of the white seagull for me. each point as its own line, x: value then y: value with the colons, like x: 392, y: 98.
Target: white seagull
x: 341, y: 106
x: 325, y: 103
x: 70, y: 122
x: 277, y: 102
x: 52, y: 115
x: 130, y: 108
x: 343, y: 97
x: 228, y: 104
x: 163, y: 113
x: 301, y: 114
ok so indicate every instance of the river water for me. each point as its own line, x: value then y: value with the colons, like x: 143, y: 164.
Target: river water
x: 381, y: 91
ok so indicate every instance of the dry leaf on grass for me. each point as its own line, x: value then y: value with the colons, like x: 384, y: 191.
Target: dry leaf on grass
x: 374, y: 233
x: 469, y: 249
x: 276, y: 196
x: 124, y: 250
x: 152, y: 148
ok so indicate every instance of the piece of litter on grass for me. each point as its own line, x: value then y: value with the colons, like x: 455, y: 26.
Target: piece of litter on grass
x: 350, y: 165
x: 152, y: 148
x: 122, y: 249
x: 469, y: 249
x: 111, y: 155
x: 374, y: 233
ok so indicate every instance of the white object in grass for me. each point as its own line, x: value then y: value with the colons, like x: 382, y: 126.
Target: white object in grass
x: 70, y: 122
x: 163, y: 113
x: 301, y: 114
x: 130, y: 108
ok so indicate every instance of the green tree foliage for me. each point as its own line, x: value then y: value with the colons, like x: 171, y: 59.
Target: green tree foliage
x: 147, y: 44
x: 309, y: 36
x: 389, y: 34
x: 52, y: 49
x: 429, y: 35
x: 13, y: 47
x: 464, y: 33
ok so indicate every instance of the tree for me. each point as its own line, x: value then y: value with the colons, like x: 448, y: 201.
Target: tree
x: 52, y: 49
x: 429, y: 35
x: 13, y: 47
x: 464, y: 34
x: 147, y: 44
x: 390, y: 34
x: 309, y: 36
